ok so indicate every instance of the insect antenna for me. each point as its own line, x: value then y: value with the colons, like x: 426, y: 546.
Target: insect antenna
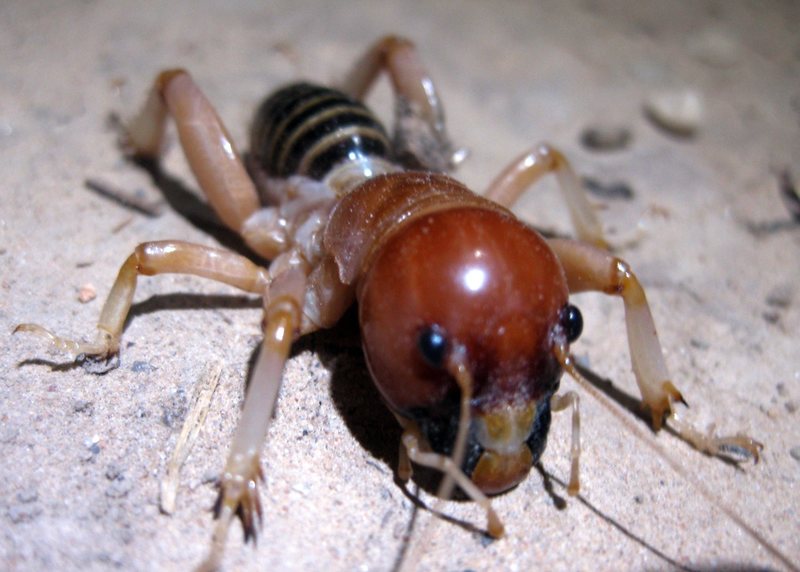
x: 457, y: 366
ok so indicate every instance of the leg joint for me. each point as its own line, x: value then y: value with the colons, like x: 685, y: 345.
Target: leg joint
x: 624, y: 283
x: 552, y: 159
x: 167, y: 76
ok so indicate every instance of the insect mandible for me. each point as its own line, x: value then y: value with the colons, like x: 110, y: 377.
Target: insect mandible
x: 464, y: 310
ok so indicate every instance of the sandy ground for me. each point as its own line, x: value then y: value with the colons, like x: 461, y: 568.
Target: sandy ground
x: 83, y: 455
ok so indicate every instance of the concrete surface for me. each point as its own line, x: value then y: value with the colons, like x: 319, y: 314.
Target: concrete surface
x: 82, y: 455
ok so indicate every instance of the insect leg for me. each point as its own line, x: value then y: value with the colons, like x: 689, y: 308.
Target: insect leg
x: 410, y: 79
x: 411, y: 444
x: 239, y: 494
x: 528, y: 168
x: 589, y: 268
x: 208, y: 147
x: 150, y: 258
x: 420, y: 124
x: 559, y: 403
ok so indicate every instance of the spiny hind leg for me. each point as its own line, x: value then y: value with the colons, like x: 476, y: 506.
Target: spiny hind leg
x: 209, y: 149
x: 238, y: 485
x: 532, y: 165
x: 588, y: 268
x: 420, y: 133
x: 148, y: 259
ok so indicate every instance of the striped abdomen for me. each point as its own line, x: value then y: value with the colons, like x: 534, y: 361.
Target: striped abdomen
x: 303, y: 129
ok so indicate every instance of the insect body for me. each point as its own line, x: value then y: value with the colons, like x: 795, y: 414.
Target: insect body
x: 464, y: 310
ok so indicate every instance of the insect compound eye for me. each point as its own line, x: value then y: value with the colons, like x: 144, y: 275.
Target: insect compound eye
x: 432, y: 344
x: 572, y: 322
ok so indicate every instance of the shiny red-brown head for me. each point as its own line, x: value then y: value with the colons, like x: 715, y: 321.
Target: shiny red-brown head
x: 478, y: 280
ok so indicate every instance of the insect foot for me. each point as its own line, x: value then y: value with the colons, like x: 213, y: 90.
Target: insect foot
x: 735, y: 447
x: 238, y: 496
x: 98, y: 357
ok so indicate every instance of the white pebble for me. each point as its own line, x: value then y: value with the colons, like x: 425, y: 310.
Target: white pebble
x: 678, y: 112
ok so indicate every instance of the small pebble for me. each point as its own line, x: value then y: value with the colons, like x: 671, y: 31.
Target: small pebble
x: 82, y: 406
x: 795, y: 453
x: 606, y: 137
x: 678, y: 112
x: 87, y: 293
x: 142, y: 367
x: 91, y: 441
x: 612, y: 190
x: 93, y: 449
